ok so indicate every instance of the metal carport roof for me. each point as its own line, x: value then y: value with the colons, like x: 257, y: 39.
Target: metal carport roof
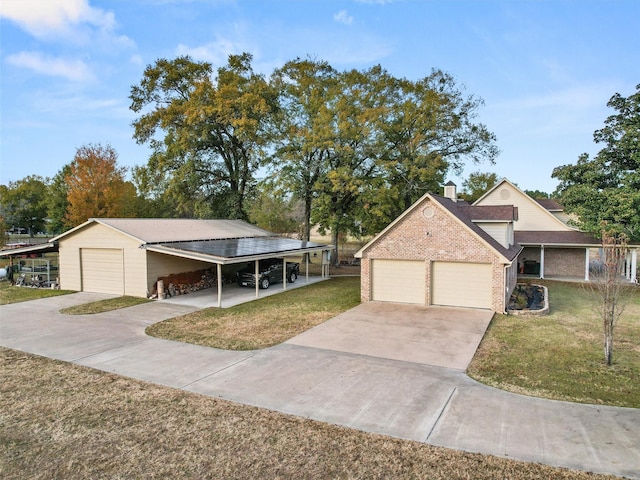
x: 48, y: 247
x: 237, y: 250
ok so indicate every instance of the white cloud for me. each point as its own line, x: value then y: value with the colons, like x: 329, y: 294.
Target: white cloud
x: 216, y: 53
x: 42, y: 18
x: 343, y: 17
x: 75, y: 70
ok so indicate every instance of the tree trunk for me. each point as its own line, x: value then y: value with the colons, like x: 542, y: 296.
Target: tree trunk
x: 334, y: 241
x: 306, y: 233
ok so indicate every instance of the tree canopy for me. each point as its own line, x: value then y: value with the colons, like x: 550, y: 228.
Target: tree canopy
x: 358, y: 147
x: 477, y: 184
x: 23, y: 204
x: 607, y: 186
x: 214, y: 130
x: 96, y: 186
x: 355, y: 148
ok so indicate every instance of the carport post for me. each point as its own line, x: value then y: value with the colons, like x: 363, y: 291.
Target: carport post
x: 284, y: 273
x: 219, y: 273
x: 306, y: 266
x: 257, y: 277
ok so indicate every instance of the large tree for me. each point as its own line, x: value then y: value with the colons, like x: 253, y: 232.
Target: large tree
x: 23, y: 204
x: 430, y: 129
x: 214, y: 130
x: 352, y: 170
x: 607, y: 186
x: 303, y: 130
x: 96, y: 186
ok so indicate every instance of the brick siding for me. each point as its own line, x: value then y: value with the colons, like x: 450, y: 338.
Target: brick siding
x: 439, y: 238
x: 564, y: 262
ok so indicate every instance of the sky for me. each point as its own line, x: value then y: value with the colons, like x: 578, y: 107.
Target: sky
x: 544, y: 68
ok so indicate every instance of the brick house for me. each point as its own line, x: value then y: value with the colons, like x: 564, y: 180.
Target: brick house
x: 551, y: 247
x: 443, y: 251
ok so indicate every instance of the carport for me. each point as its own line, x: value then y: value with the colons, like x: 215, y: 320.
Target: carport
x: 244, y: 250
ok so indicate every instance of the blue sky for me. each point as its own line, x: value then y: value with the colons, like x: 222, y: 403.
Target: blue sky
x: 545, y: 69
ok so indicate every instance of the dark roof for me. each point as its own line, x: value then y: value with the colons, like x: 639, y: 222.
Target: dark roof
x: 461, y: 212
x: 573, y: 238
x: 550, y: 204
x: 236, y: 250
x: 490, y: 213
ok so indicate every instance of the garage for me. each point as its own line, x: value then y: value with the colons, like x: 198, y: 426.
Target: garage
x: 102, y: 270
x: 400, y: 281
x: 129, y: 256
x: 462, y: 284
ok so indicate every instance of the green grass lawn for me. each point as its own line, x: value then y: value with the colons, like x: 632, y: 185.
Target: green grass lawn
x: 561, y: 356
x: 264, y: 322
x: 11, y: 294
x: 104, y: 305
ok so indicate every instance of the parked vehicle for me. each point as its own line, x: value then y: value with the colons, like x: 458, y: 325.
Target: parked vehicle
x: 270, y: 272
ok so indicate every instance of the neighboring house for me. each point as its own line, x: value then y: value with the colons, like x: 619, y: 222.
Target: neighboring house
x: 443, y: 251
x: 551, y: 247
x: 126, y: 256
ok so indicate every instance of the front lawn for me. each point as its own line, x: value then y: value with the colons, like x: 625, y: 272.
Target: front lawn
x: 66, y: 421
x: 264, y: 322
x: 561, y: 356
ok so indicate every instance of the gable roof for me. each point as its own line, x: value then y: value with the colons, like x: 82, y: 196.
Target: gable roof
x: 463, y: 214
x: 217, y: 241
x: 457, y: 210
x: 534, y: 203
x: 163, y: 230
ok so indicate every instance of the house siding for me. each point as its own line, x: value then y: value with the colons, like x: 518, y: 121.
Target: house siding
x: 98, y: 236
x: 531, y: 216
x: 439, y: 238
x: 499, y: 231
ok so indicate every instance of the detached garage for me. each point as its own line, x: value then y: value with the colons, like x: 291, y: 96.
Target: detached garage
x: 127, y: 256
x: 438, y: 253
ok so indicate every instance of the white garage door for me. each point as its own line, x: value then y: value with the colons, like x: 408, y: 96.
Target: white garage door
x: 461, y: 284
x: 102, y: 270
x: 401, y: 281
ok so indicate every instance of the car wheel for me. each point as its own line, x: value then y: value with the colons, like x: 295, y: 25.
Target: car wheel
x: 264, y: 283
x: 292, y: 277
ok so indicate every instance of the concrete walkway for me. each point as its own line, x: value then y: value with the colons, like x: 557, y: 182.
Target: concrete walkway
x: 436, y: 405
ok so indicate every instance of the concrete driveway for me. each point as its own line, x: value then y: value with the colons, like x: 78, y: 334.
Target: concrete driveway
x: 439, y: 336
x: 437, y: 405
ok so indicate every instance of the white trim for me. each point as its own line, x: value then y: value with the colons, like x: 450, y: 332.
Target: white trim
x: 586, y: 264
x: 542, y: 261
